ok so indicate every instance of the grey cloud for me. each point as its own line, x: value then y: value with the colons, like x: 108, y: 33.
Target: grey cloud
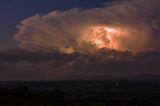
x: 103, y: 64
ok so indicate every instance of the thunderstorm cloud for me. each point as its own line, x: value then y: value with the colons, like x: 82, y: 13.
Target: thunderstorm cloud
x: 62, y: 45
x: 66, y: 30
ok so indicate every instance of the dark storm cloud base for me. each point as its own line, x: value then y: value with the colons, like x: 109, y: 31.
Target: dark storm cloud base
x: 105, y: 64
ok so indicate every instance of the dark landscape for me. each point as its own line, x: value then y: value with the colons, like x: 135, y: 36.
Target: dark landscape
x: 80, y: 93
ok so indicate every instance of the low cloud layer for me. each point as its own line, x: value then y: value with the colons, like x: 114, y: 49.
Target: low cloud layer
x: 103, y: 65
x: 65, y: 30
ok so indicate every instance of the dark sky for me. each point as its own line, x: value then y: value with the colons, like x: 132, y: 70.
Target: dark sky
x: 13, y: 11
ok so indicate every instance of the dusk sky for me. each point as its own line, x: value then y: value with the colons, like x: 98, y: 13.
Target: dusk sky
x: 15, y: 11
x: 79, y: 39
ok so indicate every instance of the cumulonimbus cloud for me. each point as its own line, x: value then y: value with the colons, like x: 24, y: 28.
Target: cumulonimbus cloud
x: 64, y: 30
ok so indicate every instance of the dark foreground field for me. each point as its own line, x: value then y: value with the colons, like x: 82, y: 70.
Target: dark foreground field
x: 80, y: 93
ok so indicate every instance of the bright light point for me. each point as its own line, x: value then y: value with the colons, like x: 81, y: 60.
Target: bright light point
x: 110, y: 30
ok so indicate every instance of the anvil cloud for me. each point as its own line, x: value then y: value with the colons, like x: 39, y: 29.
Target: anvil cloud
x: 64, y: 30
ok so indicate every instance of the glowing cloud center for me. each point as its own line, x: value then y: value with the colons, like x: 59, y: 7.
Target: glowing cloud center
x: 103, y: 37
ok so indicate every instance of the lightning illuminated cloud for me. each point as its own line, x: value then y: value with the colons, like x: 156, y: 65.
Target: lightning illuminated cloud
x: 118, y: 25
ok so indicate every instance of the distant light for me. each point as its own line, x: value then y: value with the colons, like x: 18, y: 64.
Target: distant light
x: 117, y: 84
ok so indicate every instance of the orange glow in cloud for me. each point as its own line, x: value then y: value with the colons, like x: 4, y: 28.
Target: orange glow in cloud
x: 104, y: 37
